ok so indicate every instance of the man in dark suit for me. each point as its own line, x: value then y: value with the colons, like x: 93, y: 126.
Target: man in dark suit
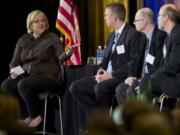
x: 92, y: 92
x: 167, y: 78
x: 149, y: 56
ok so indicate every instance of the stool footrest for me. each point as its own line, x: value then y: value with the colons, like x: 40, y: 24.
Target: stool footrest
x: 44, y: 133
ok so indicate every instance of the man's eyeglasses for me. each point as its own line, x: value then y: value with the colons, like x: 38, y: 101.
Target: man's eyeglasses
x: 161, y: 15
x: 137, y: 20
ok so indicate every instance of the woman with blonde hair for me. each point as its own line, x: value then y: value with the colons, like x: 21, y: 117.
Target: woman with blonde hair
x: 39, y: 53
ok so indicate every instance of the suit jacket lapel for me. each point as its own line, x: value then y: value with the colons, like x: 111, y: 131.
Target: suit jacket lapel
x: 121, y: 39
x: 108, y: 52
x: 152, y: 44
x: 168, y: 46
x: 112, y: 40
x: 111, y: 44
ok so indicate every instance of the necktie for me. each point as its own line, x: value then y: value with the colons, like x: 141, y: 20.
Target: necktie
x: 116, y: 37
x: 115, y: 40
x: 109, y: 67
x: 145, y: 69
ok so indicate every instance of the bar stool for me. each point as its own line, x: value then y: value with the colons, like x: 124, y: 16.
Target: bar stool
x: 44, y: 96
x: 162, y: 99
x: 113, y: 104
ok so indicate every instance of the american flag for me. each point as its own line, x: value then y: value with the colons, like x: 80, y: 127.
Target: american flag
x: 67, y: 23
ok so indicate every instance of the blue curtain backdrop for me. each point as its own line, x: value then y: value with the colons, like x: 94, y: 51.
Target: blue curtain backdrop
x: 155, y: 6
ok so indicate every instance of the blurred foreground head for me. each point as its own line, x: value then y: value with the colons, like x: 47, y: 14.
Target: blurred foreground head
x: 10, y: 116
x: 154, y: 123
x: 9, y: 109
x: 176, y: 120
x: 132, y: 108
x: 102, y: 124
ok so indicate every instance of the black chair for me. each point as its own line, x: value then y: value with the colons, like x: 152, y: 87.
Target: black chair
x: 164, y: 99
x: 114, y: 104
x: 45, y: 96
x: 111, y: 108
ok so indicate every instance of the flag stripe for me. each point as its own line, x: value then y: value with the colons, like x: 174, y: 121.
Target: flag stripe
x: 65, y: 6
x: 67, y: 23
x: 66, y: 14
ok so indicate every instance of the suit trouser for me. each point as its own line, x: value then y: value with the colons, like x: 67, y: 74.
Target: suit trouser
x: 121, y: 93
x: 27, y: 89
x: 124, y: 91
x: 92, y: 95
x: 168, y: 85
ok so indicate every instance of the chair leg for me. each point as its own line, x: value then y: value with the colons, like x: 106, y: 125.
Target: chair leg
x: 111, y: 111
x: 161, y: 103
x: 60, y: 114
x: 111, y: 108
x: 45, y: 112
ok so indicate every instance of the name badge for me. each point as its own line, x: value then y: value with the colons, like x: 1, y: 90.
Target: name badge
x: 150, y: 59
x: 120, y: 49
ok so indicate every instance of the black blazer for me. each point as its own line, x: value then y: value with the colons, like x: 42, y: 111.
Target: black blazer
x: 121, y: 62
x: 170, y: 66
x: 155, y: 50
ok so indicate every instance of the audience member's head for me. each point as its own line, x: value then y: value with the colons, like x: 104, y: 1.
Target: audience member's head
x: 176, y: 120
x: 154, y: 123
x: 9, y: 109
x: 102, y: 124
x: 133, y: 108
x: 10, y: 116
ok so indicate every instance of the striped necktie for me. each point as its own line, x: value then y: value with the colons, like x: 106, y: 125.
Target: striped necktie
x: 145, y: 69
